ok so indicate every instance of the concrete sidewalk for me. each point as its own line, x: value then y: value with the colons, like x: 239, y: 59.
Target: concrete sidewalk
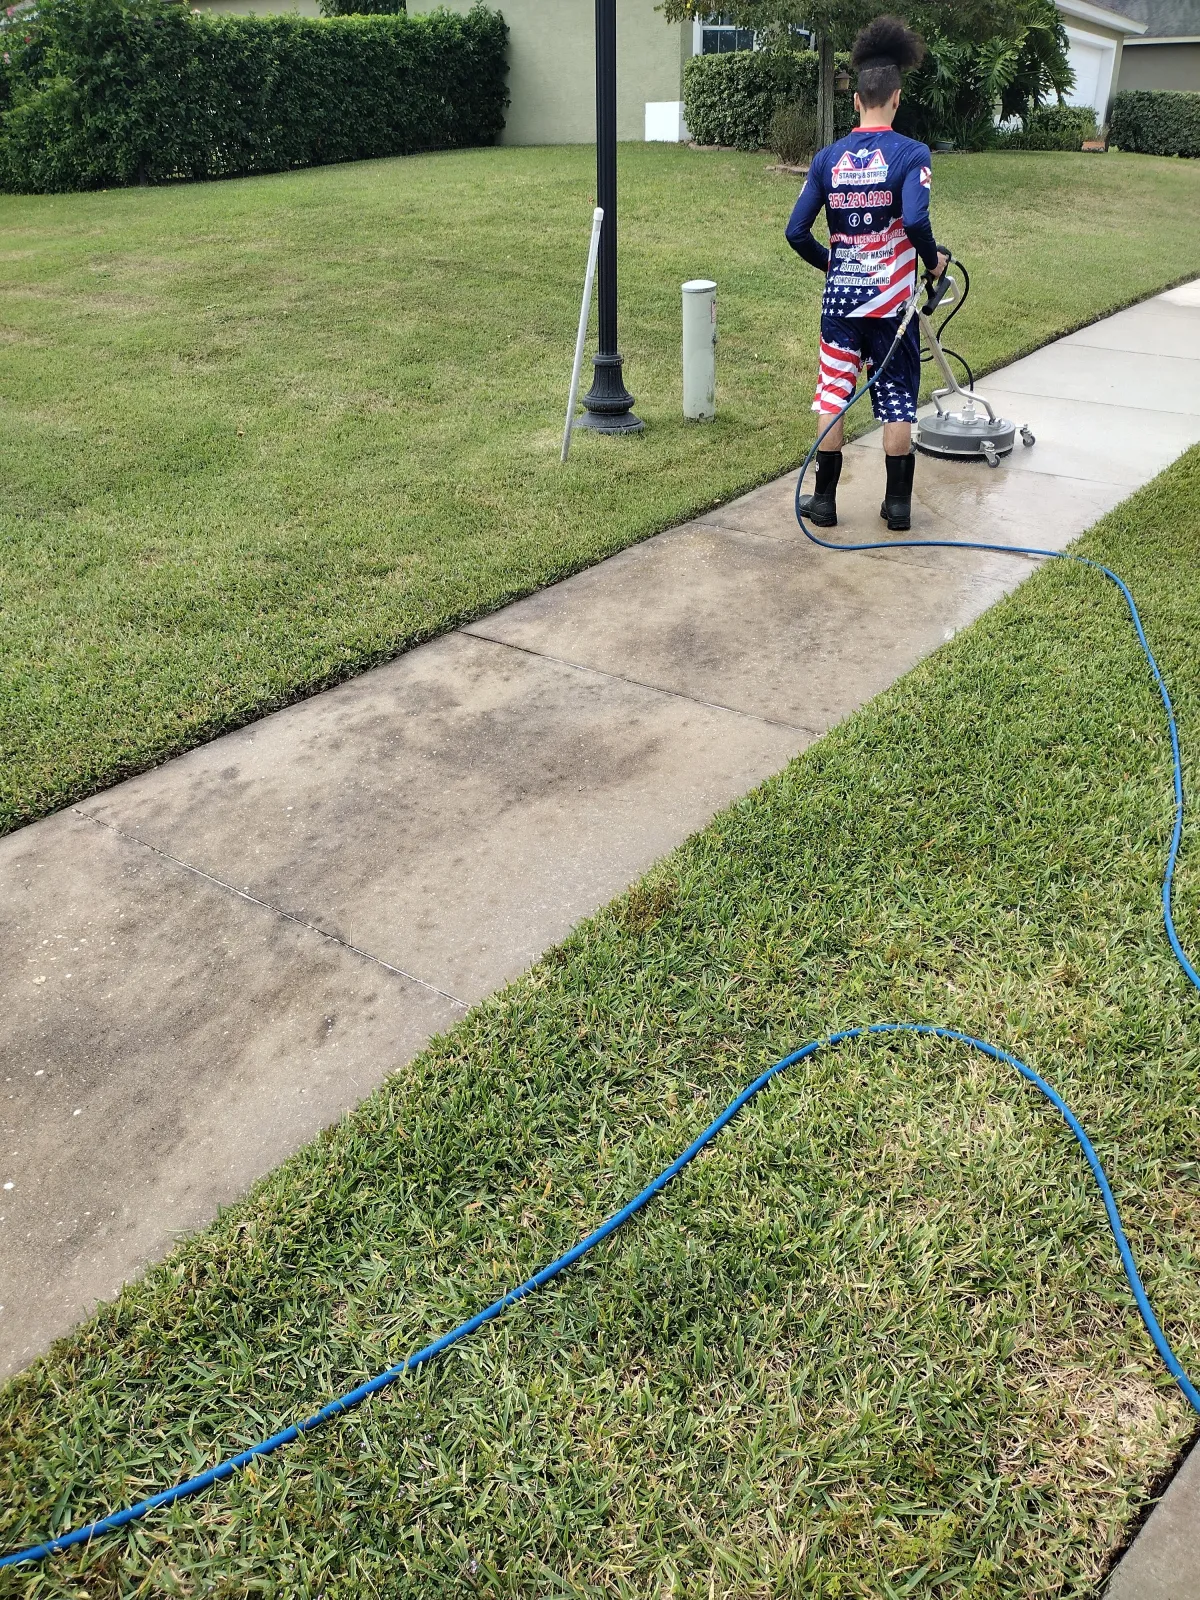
x: 1163, y: 1563
x: 206, y: 965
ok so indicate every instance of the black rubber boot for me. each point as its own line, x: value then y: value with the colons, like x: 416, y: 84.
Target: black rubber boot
x: 820, y: 507
x: 896, y: 509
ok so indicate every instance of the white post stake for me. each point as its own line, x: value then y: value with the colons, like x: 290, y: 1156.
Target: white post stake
x: 581, y: 336
x: 700, y: 350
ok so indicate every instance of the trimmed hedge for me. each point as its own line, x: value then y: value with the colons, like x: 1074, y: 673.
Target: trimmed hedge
x: 360, y: 8
x: 104, y: 93
x: 1054, y: 127
x: 730, y: 99
x: 1156, y: 122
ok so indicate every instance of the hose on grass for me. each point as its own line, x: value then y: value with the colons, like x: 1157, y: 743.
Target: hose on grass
x: 355, y: 1397
x: 1168, y: 883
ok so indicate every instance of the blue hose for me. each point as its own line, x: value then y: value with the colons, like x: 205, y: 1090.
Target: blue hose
x: 1168, y: 884
x: 354, y: 1397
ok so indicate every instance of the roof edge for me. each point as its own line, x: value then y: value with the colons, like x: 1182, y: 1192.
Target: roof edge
x: 1086, y: 11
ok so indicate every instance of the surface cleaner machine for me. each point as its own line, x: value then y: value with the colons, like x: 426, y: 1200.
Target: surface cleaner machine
x: 964, y: 426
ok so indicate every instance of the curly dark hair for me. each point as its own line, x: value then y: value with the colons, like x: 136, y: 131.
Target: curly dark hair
x: 883, y: 51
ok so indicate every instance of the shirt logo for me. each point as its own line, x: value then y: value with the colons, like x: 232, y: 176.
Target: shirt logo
x: 859, y: 167
x: 925, y: 177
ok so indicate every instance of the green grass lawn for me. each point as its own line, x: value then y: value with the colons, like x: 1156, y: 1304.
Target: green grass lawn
x: 876, y: 1342
x: 258, y: 435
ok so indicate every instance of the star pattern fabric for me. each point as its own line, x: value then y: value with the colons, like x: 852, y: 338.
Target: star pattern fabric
x: 890, y: 402
x: 849, y: 343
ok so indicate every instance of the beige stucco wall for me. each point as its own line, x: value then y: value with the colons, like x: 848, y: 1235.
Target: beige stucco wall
x: 552, y: 70
x: 1100, y: 29
x: 1161, y: 66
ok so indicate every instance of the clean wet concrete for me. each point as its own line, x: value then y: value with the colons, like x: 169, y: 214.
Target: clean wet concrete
x: 205, y: 965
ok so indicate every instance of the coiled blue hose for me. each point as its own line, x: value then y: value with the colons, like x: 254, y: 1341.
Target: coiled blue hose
x: 354, y: 1397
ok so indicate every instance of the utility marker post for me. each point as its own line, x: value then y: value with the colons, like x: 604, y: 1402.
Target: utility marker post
x: 581, y: 336
x: 609, y: 404
x: 700, y: 349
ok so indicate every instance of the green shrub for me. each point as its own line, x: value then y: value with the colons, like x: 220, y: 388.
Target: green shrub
x: 112, y: 92
x: 983, y: 63
x: 730, y: 99
x: 793, y: 131
x: 1054, y: 127
x: 1156, y: 122
x: 360, y: 8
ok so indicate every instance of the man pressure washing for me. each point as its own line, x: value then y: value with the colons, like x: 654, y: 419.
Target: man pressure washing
x: 874, y: 186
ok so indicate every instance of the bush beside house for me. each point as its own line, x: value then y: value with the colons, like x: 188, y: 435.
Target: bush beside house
x: 731, y: 99
x: 1053, y: 127
x: 1156, y: 122
x: 360, y: 8
x: 752, y: 99
x: 104, y: 93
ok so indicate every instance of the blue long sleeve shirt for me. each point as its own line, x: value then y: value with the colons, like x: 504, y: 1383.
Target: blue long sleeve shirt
x: 874, y: 187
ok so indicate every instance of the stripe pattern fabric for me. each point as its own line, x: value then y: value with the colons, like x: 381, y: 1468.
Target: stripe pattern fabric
x: 889, y: 267
x: 847, y: 344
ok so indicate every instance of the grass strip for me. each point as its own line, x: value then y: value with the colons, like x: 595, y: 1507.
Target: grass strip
x: 877, y: 1341
x: 259, y: 435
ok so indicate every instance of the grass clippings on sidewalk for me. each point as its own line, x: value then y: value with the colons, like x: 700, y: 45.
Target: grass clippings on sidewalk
x: 877, y: 1341
x: 258, y: 435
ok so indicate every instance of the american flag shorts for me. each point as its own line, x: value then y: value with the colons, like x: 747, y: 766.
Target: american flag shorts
x: 848, y: 342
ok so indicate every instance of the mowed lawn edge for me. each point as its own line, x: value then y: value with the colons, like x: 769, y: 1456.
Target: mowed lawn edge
x: 878, y: 1338
x: 260, y: 436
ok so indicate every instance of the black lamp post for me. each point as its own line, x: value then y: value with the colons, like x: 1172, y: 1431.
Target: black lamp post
x: 608, y: 401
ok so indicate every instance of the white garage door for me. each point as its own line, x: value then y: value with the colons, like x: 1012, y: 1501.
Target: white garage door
x: 1086, y: 60
x: 1092, y: 60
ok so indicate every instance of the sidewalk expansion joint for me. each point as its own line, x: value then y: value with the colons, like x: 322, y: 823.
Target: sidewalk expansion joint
x: 267, y: 905
x: 1115, y: 350
x: 1089, y: 400
x: 472, y: 631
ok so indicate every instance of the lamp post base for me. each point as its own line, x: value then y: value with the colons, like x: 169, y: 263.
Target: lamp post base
x: 609, y: 403
x: 604, y: 422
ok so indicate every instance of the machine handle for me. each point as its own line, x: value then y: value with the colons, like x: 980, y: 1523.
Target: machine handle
x: 938, y: 288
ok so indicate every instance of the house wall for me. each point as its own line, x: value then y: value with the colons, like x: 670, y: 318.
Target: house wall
x: 1161, y: 66
x: 552, y: 67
